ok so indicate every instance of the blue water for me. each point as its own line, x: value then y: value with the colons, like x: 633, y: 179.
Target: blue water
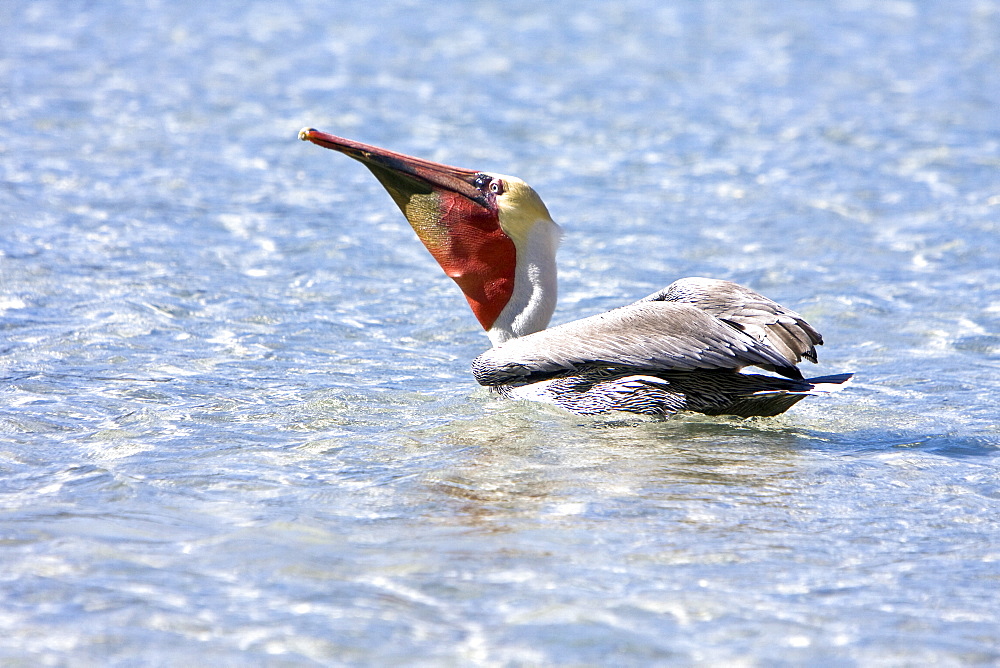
x: 237, y: 423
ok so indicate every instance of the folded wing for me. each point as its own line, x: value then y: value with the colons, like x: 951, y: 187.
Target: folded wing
x: 694, y: 323
x: 753, y: 313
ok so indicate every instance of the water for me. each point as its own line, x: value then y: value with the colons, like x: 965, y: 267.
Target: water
x: 238, y: 425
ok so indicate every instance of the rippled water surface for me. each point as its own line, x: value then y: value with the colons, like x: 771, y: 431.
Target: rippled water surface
x: 237, y: 423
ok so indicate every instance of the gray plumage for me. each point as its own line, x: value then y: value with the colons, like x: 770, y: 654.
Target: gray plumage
x: 681, y: 348
x: 753, y: 313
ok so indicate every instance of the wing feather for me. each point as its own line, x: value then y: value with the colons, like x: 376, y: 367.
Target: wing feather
x: 763, y: 319
x: 646, y: 336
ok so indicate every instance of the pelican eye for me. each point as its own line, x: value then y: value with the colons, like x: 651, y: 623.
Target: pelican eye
x: 496, y: 187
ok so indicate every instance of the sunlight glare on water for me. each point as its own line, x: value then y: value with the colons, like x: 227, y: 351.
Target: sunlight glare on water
x: 238, y: 424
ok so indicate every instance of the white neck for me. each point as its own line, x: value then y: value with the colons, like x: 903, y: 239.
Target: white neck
x: 534, y: 298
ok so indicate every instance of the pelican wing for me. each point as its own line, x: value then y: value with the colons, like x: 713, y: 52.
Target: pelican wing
x: 753, y: 313
x: 647, y: 336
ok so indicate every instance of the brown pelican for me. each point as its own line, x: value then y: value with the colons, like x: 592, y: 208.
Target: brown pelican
x: 681, y: 348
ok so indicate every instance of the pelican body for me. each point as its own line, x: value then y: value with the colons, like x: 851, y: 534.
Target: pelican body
x: 682, y: 348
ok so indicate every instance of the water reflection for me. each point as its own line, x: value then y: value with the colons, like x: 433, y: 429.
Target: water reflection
x: 506, y: 469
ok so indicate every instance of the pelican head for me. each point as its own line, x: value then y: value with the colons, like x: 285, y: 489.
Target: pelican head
x: 491, y: 233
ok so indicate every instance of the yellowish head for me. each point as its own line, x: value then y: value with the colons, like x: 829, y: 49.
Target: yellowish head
x: 518, y: 206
